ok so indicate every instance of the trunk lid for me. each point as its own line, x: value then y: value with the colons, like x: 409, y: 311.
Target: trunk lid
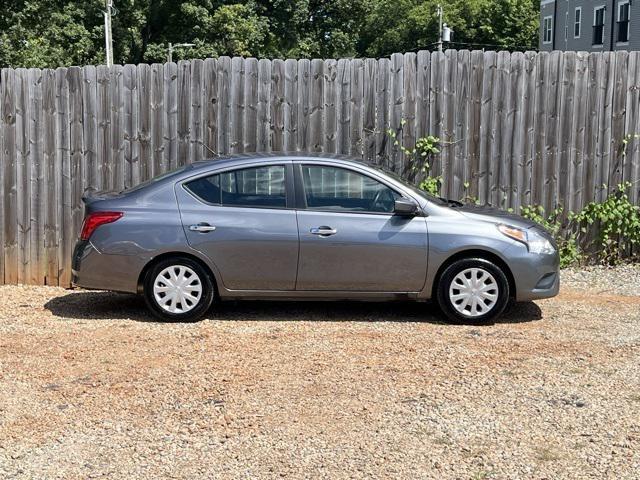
x: 92, y: 195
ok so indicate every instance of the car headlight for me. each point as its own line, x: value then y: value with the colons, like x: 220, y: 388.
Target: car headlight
x: 535, y: 242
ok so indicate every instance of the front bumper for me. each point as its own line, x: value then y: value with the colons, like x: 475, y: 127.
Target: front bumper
x: 535, y: 276
x: 94, y: 270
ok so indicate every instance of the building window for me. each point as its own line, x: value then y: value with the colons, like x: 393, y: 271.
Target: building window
x: 598, y: 26
x: 577, y: 23
x: 623, y: 22
x: 547, y: 29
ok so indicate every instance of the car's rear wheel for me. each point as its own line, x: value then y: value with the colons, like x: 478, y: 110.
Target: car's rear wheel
x: 473, y: 290
x: 178, y: 290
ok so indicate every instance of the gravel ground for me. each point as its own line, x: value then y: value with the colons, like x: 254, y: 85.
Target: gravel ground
x: 91, y: 387
x: 622, y: 280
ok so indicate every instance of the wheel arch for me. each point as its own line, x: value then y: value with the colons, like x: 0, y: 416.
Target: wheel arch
x: 167, y: 255
x: 475, y: 253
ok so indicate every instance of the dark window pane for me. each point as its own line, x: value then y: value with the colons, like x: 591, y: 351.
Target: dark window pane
x: 547, y: 30
x: 206, y: 189
x: 624, y: 12
x: 623, y: 31
x: 598, y: 34
x: 331, y: 188
x: 623, y: 23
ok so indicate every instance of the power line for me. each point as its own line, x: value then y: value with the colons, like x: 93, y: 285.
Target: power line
x: 469, y: 44
x: 504, y: 47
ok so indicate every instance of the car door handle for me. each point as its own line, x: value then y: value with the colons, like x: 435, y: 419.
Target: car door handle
x: 202, y: 228
x: 323, y: 231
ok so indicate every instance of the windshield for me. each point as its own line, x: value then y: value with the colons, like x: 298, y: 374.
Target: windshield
x: 413, y: 188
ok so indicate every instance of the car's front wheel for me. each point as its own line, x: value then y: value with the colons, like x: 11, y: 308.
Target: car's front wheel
x: 178, y: 290
x: 473, y: 290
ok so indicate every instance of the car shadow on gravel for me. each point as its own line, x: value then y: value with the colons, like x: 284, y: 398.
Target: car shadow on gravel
x: 87, y: 305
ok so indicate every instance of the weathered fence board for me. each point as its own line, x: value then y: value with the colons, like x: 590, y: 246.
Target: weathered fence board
x: 631, y: 171
x: 264, y: 92
x: 290, y: 104
x: 557, y: 129
x: 330, y: 106
x: 50, y: 247
x: 382, y: 109
x: 251, y: 106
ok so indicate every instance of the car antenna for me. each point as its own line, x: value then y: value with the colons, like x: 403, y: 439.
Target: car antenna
x: 215, y: 154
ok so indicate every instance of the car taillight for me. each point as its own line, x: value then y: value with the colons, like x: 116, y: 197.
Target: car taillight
x: 95, y: 219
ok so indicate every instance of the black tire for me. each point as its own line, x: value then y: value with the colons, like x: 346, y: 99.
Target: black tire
x: 196, y: 311
x: 447, y: 304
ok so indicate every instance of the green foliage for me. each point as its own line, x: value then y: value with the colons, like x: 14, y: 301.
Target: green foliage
x: 47, y: 34
x: 554, y: 223
x: 425, y: 148
x: 401, y: 25
x: 52, y: 33
x: 510, y: 23
x: 617, y: 223
x: 420, y: 157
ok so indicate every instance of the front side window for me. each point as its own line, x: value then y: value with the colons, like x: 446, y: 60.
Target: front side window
x: 598, y: 26
x: 623, y: 22
x: 577, y: 23
x: 342, y: 190
x: 248, y: 187
x: 547, y: 29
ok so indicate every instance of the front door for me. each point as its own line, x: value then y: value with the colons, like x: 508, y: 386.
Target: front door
x: 241, y: 220
x: 350, y: 240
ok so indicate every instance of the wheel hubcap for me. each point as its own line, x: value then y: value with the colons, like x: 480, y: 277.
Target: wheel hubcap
x: 177, y: 289
x: 473, y: 292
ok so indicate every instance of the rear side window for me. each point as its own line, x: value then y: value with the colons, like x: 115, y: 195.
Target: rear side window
x: 248, y: 187
x: 206, y: 189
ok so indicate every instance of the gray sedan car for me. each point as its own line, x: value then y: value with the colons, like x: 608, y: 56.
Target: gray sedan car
x: 295, y: 226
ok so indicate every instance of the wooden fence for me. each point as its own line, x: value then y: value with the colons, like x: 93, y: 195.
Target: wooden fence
x: 519, y: 129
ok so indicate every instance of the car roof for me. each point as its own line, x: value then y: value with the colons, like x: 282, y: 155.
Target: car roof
x: 200, y: 167
x: 240, y: 158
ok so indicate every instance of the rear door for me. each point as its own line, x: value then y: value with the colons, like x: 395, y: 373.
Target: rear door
x: 243, y: 220
x: 350, y: 239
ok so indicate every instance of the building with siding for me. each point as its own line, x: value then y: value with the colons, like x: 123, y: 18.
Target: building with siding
x: 589, y: 25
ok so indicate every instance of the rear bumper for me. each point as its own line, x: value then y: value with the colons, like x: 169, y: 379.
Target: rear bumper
x: 535, y: 276
x: 94, y: 270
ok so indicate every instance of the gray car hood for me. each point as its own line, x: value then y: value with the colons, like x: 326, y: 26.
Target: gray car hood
x: 487, y: 213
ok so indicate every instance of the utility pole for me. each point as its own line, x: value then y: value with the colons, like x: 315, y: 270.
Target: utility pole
x: 444, y: 32
x: 439, y: 28
x: 172, y: 47
x: 108, y: 40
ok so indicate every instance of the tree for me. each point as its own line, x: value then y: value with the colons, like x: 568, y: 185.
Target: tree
x: 401, y: 25
x: 51, y: 33
x: 511, y: 24
x: 48, y: 34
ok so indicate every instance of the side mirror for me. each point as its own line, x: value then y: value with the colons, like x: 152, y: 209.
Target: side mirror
x: 404, y: 206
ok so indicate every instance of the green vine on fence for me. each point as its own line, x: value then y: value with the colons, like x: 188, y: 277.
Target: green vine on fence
x: 420, y: 157
x: 617, y: 221
x: 557, y: 225
x: 614, y: 221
